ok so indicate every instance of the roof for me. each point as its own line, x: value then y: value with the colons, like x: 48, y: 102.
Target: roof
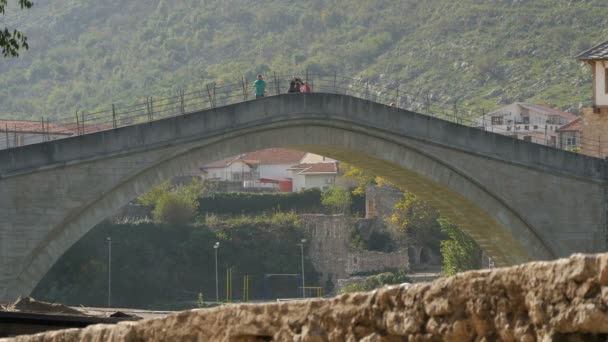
x: 331, y: 167
x: 220, y: 163
x: 274, y: 156
x: 28, y: 126
x: 598, y: 52
x: 88, y: 128
x: 572, y: 126
x: 547, y: 110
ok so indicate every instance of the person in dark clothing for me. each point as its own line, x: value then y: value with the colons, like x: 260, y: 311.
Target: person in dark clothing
x: 292, y: 86
x: 298, y: 84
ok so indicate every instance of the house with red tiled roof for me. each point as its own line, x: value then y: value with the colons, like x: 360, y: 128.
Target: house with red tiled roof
x: 24, y: 132
x: 230, y: 169
x: 263, y: 168
x: 314, y: 175
x: 570, y: 134
x: 527, y: 121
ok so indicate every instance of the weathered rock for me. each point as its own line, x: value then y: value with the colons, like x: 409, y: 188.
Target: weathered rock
x: 542, y: 301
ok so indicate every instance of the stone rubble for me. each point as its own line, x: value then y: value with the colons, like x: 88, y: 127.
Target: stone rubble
x: 563, y: 300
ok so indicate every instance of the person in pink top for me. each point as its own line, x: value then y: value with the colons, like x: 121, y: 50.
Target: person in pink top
x: 305, y: 88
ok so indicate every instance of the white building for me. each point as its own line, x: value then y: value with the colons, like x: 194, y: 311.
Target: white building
x: 314, y: 175
x: 230, y: 169
x: 273, y: 163
x: 597, y: 57
x: 527, y: 121
x: 265, y: 168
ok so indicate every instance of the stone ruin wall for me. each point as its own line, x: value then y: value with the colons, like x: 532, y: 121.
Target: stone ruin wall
x: 370, y: 261
x: 331, y: 253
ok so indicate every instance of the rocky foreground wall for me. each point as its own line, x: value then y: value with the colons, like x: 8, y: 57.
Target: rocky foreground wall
x: 565, y: 300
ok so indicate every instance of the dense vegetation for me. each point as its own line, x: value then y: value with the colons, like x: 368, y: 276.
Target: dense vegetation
x: 161, y: 266
x: 87, y: 54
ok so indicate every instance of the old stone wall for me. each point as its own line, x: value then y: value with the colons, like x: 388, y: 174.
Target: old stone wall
x: 594, y: 132
x: 370, y: 261
x: 331, y: 253
x: 564, y: 300
x: 380, y: 200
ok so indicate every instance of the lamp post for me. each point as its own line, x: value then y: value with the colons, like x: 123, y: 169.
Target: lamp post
x: 109, y: 242
x: 217, y: 297
x: 303, y: 241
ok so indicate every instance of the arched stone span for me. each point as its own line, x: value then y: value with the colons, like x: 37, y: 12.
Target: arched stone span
x: 482, y: 181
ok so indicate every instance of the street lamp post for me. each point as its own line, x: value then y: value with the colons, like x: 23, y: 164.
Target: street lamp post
x: 302, y: 258
x: 217, y: 297
x: 109, y: 242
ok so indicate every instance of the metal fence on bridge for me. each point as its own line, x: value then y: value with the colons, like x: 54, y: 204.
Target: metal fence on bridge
x: 215, y: 95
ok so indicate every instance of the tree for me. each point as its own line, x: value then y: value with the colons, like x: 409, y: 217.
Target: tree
x: 418, y: 220
x: 151, y: 197
x: 362, y: 178
x: 460, y: 253
x: 337, y: 199
x: 173, y: 208
x: 11, y: 42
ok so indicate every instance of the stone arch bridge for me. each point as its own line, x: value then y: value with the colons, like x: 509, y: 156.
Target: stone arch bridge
x: 520, y: 201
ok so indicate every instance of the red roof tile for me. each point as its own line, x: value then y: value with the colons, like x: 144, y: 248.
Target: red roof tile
x: 572, y: 126
x: 274, y: 156
x: 88, y: 128
x: 316, y: 168
x: 28, y: 126
x: 548, y: 110
x: 220, y: 163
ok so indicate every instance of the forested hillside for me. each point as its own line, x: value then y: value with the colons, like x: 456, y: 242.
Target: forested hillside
x: 86, y: 54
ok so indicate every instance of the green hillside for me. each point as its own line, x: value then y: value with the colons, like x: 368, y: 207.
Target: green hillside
x: 86, y: 54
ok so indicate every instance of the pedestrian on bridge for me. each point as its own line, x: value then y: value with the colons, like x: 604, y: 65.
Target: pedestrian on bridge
x: 292, y: 86
x: 260, y: 87
x: 305, y: 88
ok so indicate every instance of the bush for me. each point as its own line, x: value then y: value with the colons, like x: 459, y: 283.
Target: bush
x: 250, y: 203
x: 460, y: 253
x: 172, y: 208
x: 337, y: 199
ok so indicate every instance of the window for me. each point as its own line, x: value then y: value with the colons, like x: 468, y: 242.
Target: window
x: 236, y: 176
x: 497, y: 120
x: 535, y: 126
x: 527, y: 128
x: 526, y: 119
x: 527, y: 138
x: 606, y: 81
x: 571, y: 141
x: 508, y: 128
x: 329, y: 180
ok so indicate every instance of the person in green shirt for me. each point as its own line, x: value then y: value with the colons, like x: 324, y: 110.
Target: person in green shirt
x: 260, y: 87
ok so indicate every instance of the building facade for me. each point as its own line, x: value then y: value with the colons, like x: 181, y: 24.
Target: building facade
x: 594, y: 124
x: 314, y: 175
x: 570, y: 136
x: 527, y: 121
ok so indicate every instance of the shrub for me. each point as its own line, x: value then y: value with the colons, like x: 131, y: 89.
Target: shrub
x: 250, y: 203
x: 460, y: 253
x: 172, y: 208
x: 337, y: 199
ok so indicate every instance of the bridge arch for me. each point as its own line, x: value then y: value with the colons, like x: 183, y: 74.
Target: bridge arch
x: 402, y: 146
